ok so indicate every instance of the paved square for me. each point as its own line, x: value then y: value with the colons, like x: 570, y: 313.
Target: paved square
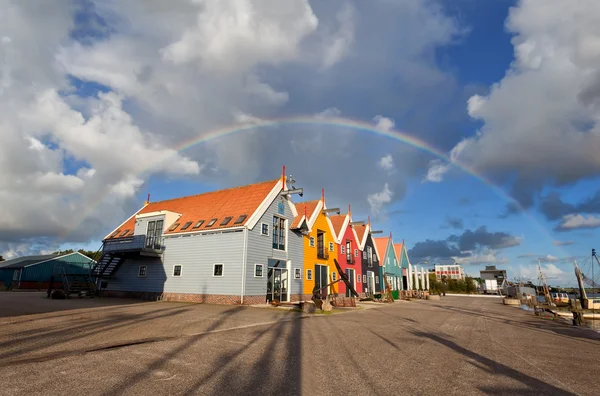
x: 456, y: 346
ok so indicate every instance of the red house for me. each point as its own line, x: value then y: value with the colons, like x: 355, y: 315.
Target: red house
x: 349, y: 255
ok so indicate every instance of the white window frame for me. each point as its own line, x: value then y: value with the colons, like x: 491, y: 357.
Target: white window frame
x: 286, y: 235
x: 331, y: 247
x: 222, y: 270
x: 262, y: 227
x: 311, y: 241
x: 358, y: 278
x: 309, y: 274
x: 297, y: 273
x: 364, y: 254
x: 364, y: 278
x: 140, y: 270
x: 180, y: 270
x: 333, y: 276
x: 343, y: 249
x: 377, y: 279
x: 356, y: 253
x: 262, y: 270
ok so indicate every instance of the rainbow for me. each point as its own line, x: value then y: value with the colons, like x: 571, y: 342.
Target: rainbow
x: 341, y: 123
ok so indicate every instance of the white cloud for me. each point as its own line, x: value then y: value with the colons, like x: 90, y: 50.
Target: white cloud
x: 487, y: 256
x: 577, y: 221
x: 384, y: 123
x: 541, y: 121
x: 338, y: 45
x: 563, y: 243
x: 438, y: 168
x: 554, y: 274
x: 386, y: 163
x: 231, y: 35
x: 548, y: 259
x: 378, y: 200
x: 330, y: 112
x: 72, y: 165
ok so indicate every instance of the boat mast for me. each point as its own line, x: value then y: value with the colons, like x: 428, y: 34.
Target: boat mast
x: 583, y: 295
x: 544, y: 285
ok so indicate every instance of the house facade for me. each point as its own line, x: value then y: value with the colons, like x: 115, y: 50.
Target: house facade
x: 370, y: 260
x: 349, y: 255
x: 231, y: 246
x: 314, y: 224
x: 389, y: 265
x: 402, y: 256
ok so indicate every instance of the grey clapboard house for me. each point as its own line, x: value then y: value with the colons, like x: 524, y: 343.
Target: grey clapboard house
x: 231, y: 246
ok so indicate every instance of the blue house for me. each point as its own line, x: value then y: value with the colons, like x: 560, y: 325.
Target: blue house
x: 232, y: 246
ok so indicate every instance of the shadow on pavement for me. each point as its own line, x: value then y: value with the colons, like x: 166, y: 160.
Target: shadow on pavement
x: 276, y: 371
x: 534, y: 386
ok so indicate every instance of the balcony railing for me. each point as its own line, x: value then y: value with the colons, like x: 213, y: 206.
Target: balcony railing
x: 349, y: 259
x: 136, y: 243
x: 322, y: 254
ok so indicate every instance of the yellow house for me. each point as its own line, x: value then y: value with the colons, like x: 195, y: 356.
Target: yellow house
x: 319, y: 246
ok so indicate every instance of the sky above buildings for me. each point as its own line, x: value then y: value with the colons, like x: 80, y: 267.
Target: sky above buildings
x: 467, y: 128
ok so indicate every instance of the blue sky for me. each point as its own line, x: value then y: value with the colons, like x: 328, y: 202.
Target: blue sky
x: 111, y: 89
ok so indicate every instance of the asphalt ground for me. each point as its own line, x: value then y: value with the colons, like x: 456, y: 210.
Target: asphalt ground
x: 456, y: 346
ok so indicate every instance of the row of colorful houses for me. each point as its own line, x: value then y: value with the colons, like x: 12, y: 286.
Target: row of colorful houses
x: 248, y: 245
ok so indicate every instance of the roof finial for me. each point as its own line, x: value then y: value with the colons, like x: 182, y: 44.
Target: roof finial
x: 305, y: 212
x: 349, y: 211
x: 369, y: 218
x: 147, y: 200
x: 323, y: 195
x: 283, y: 178
x: 390, y: 234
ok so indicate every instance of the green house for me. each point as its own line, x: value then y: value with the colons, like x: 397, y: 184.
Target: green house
x: 34, y: 272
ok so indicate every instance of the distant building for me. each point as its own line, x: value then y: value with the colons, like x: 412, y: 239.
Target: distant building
x: 453, y: 271
x: 492, y: 273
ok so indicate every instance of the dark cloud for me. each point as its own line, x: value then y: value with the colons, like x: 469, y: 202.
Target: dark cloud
x: 481, y: 238
x: 454, y: 222
x: 437, y: 249
x: 510, y: 209
x: 553, y: 207
x: 467, y: 244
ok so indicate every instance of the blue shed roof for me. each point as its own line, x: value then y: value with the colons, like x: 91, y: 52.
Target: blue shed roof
x: 24, y: 261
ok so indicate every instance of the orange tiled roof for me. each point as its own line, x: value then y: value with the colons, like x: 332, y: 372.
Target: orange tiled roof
x: 337, y: 221
x: 381, y: 245
x: 360, y: 232
x: 300, y: 207
x: 232, y: 202
x: 398, y: 250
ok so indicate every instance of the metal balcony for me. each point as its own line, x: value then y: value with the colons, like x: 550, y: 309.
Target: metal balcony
x: 145, y: 245
x: 322, y: 254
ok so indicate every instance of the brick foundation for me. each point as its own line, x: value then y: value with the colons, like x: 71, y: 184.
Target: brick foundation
x: 193, y: 298
x: 300, y: 297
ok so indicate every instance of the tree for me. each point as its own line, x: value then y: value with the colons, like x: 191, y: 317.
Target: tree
x: 89, y: 253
